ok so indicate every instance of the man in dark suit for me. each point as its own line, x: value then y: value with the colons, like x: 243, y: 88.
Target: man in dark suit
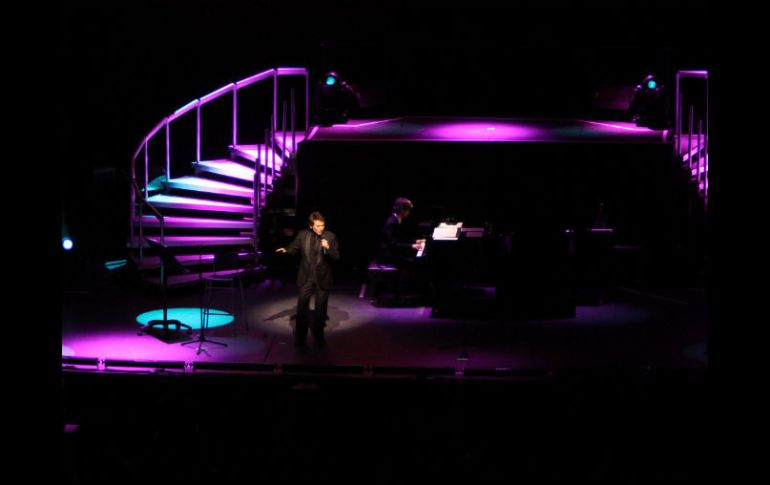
x: 395, y: 246
x: 317, y: 247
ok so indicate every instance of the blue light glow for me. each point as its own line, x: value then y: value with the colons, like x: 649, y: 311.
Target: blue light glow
x: 110, y: 265
x: 330, y: 80
x: 67, y: 243
x: 190, y: 316
x: 651, y: 84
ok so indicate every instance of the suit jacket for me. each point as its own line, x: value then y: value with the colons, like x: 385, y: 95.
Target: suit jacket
x: 304, y: 244
x: 395, y: 246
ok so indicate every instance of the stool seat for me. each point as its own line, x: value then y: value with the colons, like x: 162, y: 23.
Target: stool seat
x: 382, y: 268
x: 230, y: 279
x: 381, y: 273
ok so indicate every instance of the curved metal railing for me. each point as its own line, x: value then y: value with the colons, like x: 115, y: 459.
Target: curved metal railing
x: 136, y: 191
x: 693, y: 155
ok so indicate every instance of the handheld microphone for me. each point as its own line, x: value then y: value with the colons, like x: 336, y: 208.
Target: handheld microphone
x: 321, y: 239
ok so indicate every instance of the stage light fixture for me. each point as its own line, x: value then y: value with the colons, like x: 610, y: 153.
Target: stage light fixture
x: 649, y: 107
x: 335, y: 99
x: 67, y: 243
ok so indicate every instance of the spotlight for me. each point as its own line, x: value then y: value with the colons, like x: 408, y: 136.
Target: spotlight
x: 67, y: 243
x: 649, y: 107
x: 335, y: 99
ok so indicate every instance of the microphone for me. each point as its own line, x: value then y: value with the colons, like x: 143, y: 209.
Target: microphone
x: 321, y: 239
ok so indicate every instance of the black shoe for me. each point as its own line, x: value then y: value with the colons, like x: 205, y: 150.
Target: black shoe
x: 318, y: 337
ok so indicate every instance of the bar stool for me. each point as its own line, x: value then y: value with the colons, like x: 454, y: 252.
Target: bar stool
x: 226, y: 276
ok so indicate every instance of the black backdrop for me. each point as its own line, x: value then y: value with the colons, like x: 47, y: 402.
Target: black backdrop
x: 125, y: 65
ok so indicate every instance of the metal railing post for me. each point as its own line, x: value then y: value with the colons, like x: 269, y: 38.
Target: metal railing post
x: 235, y: 115
x: 678, y: 120
x: 307, y: 105
x: 271, y: 157
x: 275, y: 99
x: 141, y: 234
x: 700, y: 167
x: 689, y: 136
x: 132, y: 209
x: 293, y: 124
x: 283, y: 131
x: 168, y: 151
x: 198, y: 132
x: 146, y: 166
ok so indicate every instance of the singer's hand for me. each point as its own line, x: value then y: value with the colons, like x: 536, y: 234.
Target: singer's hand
x: 280, y: 250
x: 324, y: 244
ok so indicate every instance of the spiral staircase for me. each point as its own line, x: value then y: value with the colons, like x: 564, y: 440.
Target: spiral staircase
x: 217, y: 206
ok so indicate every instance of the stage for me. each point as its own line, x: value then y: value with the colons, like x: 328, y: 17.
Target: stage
x: 485, y: 129
x: 638, y: 329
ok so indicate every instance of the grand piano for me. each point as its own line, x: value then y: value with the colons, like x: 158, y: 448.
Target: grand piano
x: 477, y: 271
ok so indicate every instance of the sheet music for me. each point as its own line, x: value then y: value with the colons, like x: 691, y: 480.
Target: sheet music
x: 447, y: 232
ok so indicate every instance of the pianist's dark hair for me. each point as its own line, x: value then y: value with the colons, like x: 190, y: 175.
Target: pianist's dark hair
x: 402, y: 203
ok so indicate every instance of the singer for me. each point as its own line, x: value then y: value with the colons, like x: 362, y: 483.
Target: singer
x: 318, y: 248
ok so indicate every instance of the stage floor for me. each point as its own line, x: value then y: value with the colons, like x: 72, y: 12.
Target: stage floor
x: 444, y: 129
x: 638, y: 329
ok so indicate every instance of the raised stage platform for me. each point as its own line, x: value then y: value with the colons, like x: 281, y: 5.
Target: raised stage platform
x: 445, y: 129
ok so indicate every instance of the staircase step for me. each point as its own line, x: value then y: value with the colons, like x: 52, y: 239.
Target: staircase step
x: 179, y: 202
x: 227, y: 168
x: 199, y: 184
x: 251, y: 152
x: 155, y: 186
x: 192, y: 241
x: 231, y: 169
x: 198, y: 223
x: 153, y: 262
x: 298, y: 137
x: 257, y: 152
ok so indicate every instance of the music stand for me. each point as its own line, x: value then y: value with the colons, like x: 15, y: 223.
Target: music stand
x: 204, y: 316
x: 167, y: 263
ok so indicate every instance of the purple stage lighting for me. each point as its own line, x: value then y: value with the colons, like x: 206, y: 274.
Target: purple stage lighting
x: 481, y: 131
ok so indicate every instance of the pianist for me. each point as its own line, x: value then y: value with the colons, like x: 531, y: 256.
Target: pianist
x: 398, y: 249
x: 395, y: 245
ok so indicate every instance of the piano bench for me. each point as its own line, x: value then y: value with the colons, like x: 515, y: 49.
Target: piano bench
x: 378, y: 273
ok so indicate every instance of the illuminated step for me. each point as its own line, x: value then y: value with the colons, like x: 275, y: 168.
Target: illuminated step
x: 179, y: 202
x: 199, y: 184
x: 197, y: 223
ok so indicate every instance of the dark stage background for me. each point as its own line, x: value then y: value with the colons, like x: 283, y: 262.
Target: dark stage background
x: 125, y: 65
